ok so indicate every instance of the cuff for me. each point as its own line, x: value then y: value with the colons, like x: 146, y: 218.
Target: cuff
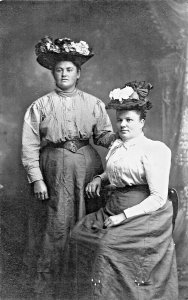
x: 34, y: 174
x: 102, y: 176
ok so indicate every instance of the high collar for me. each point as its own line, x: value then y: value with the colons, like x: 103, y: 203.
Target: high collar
x: 119, y: 143
x: 62, y: 93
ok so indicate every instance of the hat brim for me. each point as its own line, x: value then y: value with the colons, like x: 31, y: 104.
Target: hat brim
x: 48, y: 60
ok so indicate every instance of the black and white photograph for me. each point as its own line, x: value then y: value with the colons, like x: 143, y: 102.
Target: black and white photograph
x: 94, y: 150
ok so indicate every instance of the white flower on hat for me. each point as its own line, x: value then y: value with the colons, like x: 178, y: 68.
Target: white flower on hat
x: 66, y: 48
x: 115, y: 94
x: 121, y: 94
x: 61, y: 46
x: 126, y: 92
x: 81, y: 47
x: 48, y: 45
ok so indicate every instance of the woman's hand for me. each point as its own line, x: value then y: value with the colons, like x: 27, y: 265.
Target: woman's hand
x: 114, y: 220
x: 93, y: 188
x: 40, y: 190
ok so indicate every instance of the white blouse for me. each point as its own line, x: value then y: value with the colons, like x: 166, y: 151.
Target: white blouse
x: 141, y: 161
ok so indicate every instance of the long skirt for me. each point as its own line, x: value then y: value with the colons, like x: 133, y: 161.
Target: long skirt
x: 132, y: 261
x: 66, y: 175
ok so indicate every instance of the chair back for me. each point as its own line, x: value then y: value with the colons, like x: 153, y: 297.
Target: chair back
x: 173, y: 197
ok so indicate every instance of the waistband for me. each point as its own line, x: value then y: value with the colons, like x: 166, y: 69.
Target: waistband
x: 138, y: 187
x: 72, y: 145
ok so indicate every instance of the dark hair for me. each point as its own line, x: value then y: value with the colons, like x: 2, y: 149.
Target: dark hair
x: 141, y: 109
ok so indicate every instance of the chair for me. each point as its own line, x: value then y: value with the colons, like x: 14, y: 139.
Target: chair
x: 172, y: 195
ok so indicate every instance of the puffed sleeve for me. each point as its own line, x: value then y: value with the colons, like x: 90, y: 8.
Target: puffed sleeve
x: 156, y: 162
x: 31, y: 143
x: 103, y: 134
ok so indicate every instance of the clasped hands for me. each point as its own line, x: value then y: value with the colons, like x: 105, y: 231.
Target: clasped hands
x: 92, y: 190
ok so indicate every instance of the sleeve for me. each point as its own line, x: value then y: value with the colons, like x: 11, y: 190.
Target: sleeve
x: 103, y: 134
x: 157, y: 169
x: 31, y: 144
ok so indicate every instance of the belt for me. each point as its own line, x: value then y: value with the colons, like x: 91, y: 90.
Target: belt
x: 138, y: 187
x: 72, y: 145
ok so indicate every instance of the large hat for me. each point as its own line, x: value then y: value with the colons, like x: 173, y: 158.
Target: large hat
x: 50, y: 51
x: 132, y: 95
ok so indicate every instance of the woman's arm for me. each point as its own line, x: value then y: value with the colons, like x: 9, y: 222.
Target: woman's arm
x: 103, y: 134
x: 31, y: 144
x: 93, y: 188
x: 30, y: 152
x: 157, y: 169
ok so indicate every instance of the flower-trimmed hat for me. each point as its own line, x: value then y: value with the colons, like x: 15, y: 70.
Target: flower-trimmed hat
x: 132, y: 95
x: 50, y: 51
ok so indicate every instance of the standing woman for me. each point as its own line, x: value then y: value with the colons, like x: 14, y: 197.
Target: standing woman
x: 57, y: 156
x: 125, y: 251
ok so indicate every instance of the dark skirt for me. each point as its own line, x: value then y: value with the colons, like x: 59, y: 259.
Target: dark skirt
x: 66, y: 175
x: 132, y: 261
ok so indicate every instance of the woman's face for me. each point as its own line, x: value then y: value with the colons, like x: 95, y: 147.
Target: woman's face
x: 129, y: 124
x: 66, y: 75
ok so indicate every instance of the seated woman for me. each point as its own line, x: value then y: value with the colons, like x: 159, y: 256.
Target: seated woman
x: 125, y: 251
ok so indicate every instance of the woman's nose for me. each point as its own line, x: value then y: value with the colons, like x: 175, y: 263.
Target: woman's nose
x: 63, y: 73
x: 123, y: 123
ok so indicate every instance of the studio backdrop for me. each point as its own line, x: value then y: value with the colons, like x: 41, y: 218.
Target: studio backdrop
x: 132, y: 40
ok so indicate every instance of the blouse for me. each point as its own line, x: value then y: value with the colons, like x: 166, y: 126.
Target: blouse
x: 60, y: 116
x: 141, y: 161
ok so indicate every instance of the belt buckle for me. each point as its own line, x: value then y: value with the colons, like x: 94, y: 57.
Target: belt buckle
x: 71, y: 146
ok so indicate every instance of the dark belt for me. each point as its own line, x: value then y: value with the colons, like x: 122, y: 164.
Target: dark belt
x: 72, y: 145
x: 139, y: 187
